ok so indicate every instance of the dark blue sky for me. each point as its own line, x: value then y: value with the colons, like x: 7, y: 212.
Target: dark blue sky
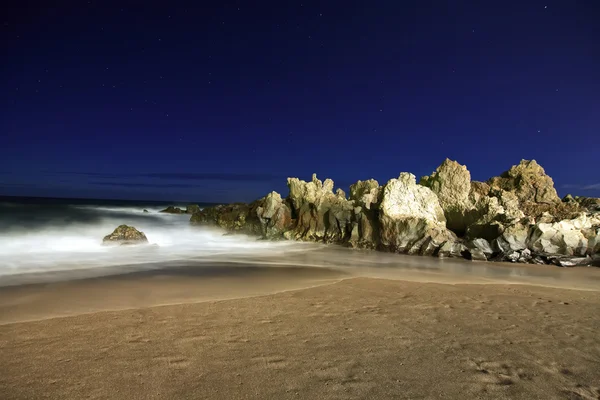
x: 222, y: 101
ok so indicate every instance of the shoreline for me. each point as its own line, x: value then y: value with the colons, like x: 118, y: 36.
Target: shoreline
x: 72, y: 293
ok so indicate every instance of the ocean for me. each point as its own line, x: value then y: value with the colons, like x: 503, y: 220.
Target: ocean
x: 46, y: 240
x: 40, y: 235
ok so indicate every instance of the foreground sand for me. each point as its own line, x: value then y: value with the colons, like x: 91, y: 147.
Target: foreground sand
x: 357, y: 338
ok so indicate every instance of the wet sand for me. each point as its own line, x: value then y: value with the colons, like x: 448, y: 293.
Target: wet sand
x: 265, y: 330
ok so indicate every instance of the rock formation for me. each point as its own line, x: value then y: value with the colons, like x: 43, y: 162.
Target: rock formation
x: 451, y: 182
x: 411, y: 219
x: 529, y: 182
x: 515, y: 217
x: 125, y: 235
x: 173, y: 210
x: 192, y: 209
x: 320, y: 215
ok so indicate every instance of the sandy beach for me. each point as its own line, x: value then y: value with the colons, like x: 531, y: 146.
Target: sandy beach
x: 322, y: 334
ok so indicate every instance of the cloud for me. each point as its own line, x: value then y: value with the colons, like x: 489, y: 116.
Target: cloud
x: 595, y: 186
x: 188, y: 176
x: 210, y: 176
x: 140, y: 185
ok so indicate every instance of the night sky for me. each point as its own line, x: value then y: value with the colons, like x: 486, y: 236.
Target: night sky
x: 221, y: 101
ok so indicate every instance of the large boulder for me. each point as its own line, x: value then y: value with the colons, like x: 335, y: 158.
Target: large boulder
x: 528, y: 181
x: 411, y: 218
x: 125, y: 235
x: 320, y: 215
x: 451, y: 182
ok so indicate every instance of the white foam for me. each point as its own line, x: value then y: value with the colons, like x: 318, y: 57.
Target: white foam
x: 77, y: 246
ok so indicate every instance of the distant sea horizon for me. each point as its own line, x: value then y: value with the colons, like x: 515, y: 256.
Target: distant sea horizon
x: 95, y: 200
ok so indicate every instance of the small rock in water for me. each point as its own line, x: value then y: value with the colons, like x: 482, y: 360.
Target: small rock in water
x: 125, y: 235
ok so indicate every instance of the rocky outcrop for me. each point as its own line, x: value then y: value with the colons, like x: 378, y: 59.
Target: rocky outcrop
x: 237, y: 217
x: 173, y: 210
x: 125, y: 235
x: 574, y: 237
x: 451, y: 182
x: 320, y: 215
x: 589, y: 204
x: 528, y: 181
x: 516, y: 217
x: 192, y: 209
x: 274, y: 215
x: 411, y: 219
x: 366, y: 196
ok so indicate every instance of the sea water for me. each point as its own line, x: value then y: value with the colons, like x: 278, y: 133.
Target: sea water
x: 42, y: 235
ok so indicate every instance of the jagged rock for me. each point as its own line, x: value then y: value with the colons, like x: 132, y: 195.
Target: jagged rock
x: 403, y: 198
x: 509, y: 202
x: 365, y: 229
x: 274, y: 215
x: 513, y: 238
x: 566, y: 237
x: 125, y: 235
x: 558, y: 211
x: 567, y: 261
x: 206, y: 216
x: 482, y: 246
x: 589, y: 204
x: 513, y: 218
x: 236, y: 217
x: 568, y: 199
x: 483, y: 219
x: 528, y: 181
x: 512, y: 256
x: 478, y: 190
x: 545, y: 218
x: 452, y: 249
x: 411, y: 218
x: 525, y: 256
x: 451, y: 182
x: 192, y: 209
x: 320, y: 214
x: 593, y: 236
x: 366, y: 196
x: 365, y: 193
x: 477, y: 255
x: 173, y: 210
x: 145, y: 211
